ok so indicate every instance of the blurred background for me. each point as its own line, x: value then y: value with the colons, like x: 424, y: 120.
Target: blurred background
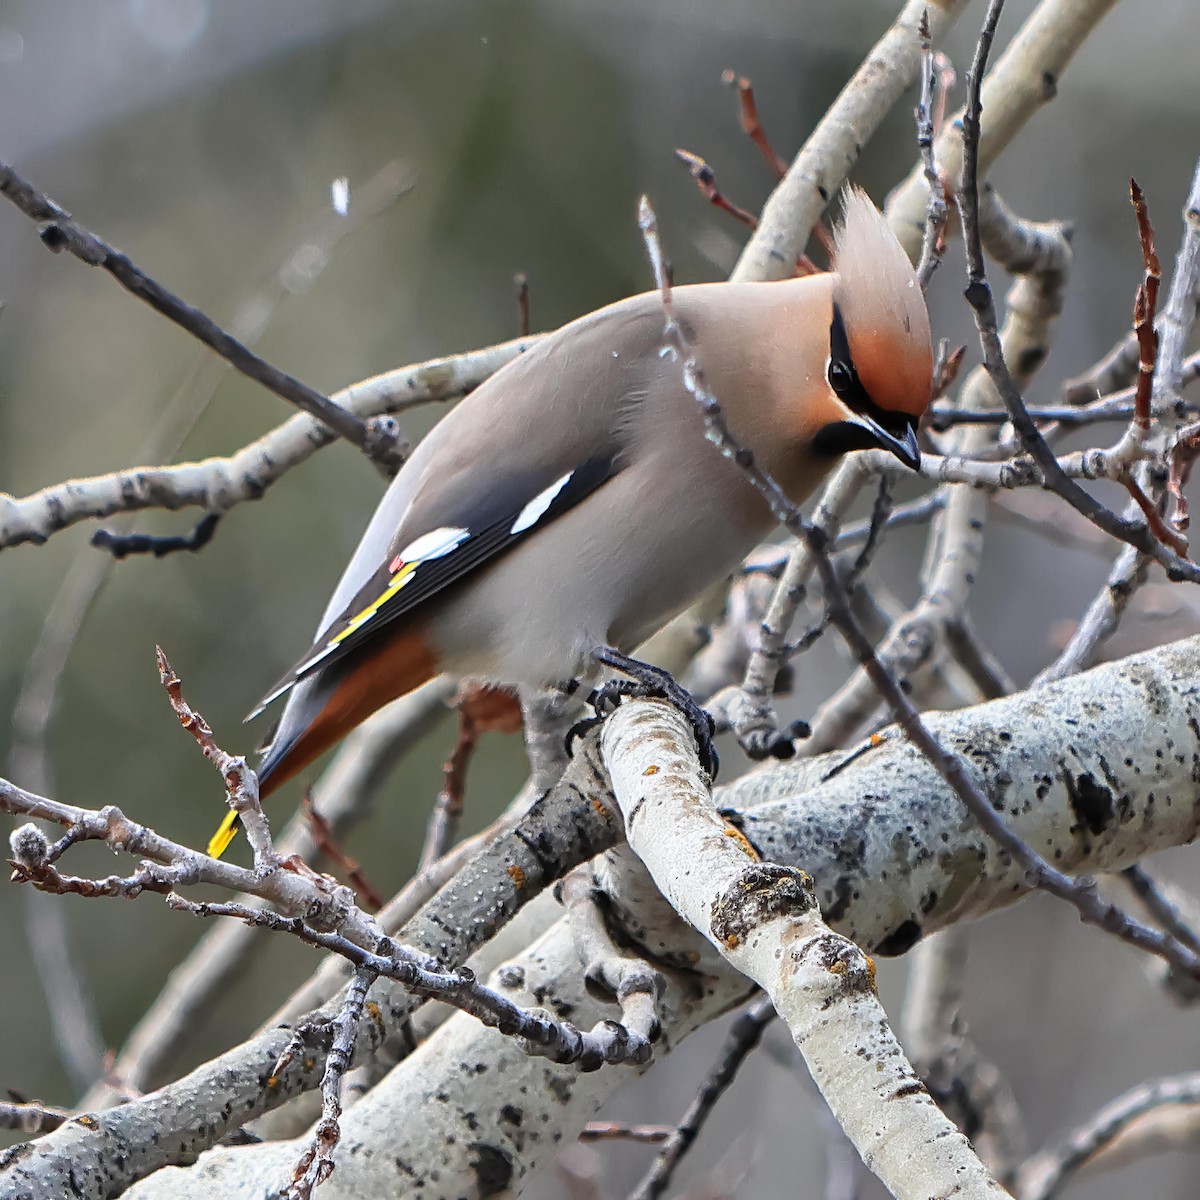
x: 203, y: 138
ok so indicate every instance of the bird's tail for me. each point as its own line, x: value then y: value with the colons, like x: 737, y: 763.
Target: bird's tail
x: 323, y: 708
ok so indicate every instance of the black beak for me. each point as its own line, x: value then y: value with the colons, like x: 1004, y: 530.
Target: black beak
x: 903, y: 447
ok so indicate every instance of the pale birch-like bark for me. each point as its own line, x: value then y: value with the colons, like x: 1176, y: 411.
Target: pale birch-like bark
x: 217, y: 484
x: 1095, y: 772
x: 1024, y: 79
x: 831, y: 150
x: 764, y: 921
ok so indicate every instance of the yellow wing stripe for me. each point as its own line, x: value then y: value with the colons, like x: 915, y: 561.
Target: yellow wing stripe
x: 398, y: 581
x: 219, y: 842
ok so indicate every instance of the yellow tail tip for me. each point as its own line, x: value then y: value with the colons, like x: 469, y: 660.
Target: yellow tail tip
x: 219, y: 842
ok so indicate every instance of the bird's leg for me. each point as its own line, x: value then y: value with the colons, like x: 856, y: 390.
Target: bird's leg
x: 647, y: 680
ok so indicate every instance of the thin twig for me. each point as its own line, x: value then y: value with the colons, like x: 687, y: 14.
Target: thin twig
x: 60, y: 232
x: 932, y: 242
x: 751, y: 125
x: 1160, y: 907
x: 1081, y: 893
x: 326, y: 844
x: 521, y: 282
x: 121, y: 545
x: 1045, y: 1175
x: 744, y: 1035
x: 706, y: 181
x: 1145, y: 308
x: 480, y: 709
x: 615, y: 1131
x: 316, y: 1164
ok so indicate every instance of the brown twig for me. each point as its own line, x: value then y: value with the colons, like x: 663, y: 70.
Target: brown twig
x: 945, y: 370
x: 326, y: 843
x: 1180, y: 459
x: 59, y: 232
x: 241, y: 784
x: 1154, y: 518
x: 1145, y: 307
x: 616, y: 1131
x: 751, y: 125
x: 706, y: 182
x: 481, y: 709
x: 979, y: 297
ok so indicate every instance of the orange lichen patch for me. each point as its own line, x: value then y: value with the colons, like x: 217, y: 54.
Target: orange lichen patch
x: 87, y: 1121
x: 601, y: 808
x: 877, y: 739
x: 732, y: 941
x: 741, y: 839
x: 309, y: 1063
x: 871, y: 973
x: 272, y: 1082
x: 375, y: 1013
x: 837, y: 967
x: 517, y: 875
x: 652, y: 769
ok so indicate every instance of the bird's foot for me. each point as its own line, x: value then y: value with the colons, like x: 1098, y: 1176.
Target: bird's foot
x: 646, y: 680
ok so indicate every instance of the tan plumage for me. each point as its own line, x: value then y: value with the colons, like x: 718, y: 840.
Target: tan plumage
x: 572, y: 501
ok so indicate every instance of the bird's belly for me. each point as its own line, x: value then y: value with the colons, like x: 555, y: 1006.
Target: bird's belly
x: 536, y: 614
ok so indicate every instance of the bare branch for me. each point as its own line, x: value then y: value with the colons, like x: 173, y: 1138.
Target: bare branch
x: 819, y: 169
x: 744, y: 1035
x: 60, y: 232
x: 218, y: 484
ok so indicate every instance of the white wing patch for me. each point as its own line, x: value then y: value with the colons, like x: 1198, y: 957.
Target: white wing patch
x: 536, y: 508
x: 434, y: 544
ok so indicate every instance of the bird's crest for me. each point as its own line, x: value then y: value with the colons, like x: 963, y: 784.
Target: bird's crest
x: 883, y: 308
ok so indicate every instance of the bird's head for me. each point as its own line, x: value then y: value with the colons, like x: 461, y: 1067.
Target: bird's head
x: 880, y: 365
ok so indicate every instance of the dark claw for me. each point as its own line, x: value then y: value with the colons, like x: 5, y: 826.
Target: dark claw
x: 646, y: 680
x: 578, y: 731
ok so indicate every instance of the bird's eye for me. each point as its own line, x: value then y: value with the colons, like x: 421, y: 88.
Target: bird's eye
x: 841, y: 378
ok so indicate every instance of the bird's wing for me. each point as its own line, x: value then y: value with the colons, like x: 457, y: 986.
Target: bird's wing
x: 446, y: 532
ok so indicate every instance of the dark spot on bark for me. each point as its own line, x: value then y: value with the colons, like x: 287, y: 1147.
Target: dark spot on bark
x: 53, y: 237
x: 1091, y: 803
x: 1049, y: 85
x: 836, y: 908
x: 902, y: 939
x: 512, y: 1115
x: 493, y: 1168
x: 762, y: 891
x: 908, y: 1089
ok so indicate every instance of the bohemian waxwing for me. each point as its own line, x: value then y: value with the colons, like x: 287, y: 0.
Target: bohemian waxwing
x: 571, y: 504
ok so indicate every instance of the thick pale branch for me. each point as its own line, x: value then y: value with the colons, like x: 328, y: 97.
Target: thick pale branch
x: 821, y: 166
x: 1024, y: 78
x: 219, y: 484
x: 1096, y: 772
